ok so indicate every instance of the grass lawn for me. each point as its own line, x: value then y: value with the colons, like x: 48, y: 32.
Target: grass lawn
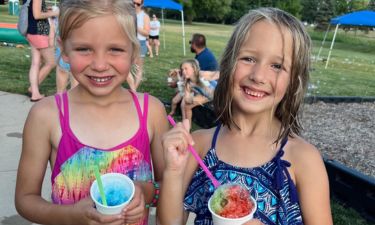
x: 351, y: 71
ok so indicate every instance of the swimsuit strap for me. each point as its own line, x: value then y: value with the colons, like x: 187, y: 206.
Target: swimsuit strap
x: 281, y: 169
x: 214, y: 138
x: 142, y: 116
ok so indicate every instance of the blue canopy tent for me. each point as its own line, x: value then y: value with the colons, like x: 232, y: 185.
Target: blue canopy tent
x: 364, y: 18
x: 168, y: 4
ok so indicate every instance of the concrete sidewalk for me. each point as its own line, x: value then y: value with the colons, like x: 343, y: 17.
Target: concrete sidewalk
x: 13, y: 112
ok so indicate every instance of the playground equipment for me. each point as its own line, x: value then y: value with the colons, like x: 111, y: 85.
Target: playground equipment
x: 10, y: 34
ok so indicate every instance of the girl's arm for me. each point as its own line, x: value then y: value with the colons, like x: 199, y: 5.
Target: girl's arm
x: 37, y: 11
x: 312, y: 185
x: 209, y: 75
x: 180, y: 168
x: 145, y: 30
x: 159, y: 126
x: 36, y: 151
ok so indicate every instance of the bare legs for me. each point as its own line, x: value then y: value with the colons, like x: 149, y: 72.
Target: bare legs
x: 36, y: 73
x: 149, y: 48
x: 175, y: 100
x: 49, y: 63
x: 33, y: 74
x: 187, y: 107
x: 156, y: 43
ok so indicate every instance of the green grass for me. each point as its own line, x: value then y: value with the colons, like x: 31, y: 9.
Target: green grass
x: 350, y: 73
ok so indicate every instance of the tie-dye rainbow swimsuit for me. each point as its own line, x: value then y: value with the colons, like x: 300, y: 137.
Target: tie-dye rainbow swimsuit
x: 73, y: 171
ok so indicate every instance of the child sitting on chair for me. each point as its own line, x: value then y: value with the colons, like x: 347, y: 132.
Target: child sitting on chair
x: 197, y: 88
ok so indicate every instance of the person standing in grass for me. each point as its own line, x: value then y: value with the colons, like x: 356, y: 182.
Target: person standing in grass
x: 143, y: 31
x: 42, y: 50
x: 264, y: 74
x: 98, y: 124
x: 154, y: 35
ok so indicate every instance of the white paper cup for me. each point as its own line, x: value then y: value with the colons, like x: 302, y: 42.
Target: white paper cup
x: 117, y: 183
x: 55, y: 8
x: 219, y: 220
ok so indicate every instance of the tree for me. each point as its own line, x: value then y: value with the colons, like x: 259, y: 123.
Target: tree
x: 309, y: 10
x: 292, y: 6
x: 325, y: 13
x: 188, y: 10
x: 239, y: 8
x: 371, y: 5
x: 212, y: 10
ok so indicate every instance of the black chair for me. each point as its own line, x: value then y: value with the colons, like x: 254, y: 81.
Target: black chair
x: 204, y: 115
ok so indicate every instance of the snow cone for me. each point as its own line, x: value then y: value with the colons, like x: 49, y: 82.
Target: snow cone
x: 231, y: 204
x: 118, y: 189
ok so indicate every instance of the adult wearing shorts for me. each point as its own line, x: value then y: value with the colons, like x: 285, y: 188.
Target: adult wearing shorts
x: 42, y: 53
x: 143, y: 30
x: 154, y: 34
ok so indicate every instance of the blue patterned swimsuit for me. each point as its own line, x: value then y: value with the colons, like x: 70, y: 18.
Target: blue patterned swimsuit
x: 270, y: 184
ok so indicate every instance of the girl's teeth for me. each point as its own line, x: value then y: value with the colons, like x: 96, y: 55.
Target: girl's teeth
x: 104, y: 79
x: 254, y: 93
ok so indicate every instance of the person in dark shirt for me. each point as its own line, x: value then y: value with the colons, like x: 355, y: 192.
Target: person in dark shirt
x: 206, y: 59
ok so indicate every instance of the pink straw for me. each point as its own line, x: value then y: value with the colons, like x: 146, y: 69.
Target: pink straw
x: 215, y: 182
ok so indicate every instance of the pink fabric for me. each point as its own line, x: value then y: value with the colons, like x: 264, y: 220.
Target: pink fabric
x: 73, y: 172
x: 70, y: 144
x: 38, y: 41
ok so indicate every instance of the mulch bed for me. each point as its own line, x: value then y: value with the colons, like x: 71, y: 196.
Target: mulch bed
x: 344, y: 132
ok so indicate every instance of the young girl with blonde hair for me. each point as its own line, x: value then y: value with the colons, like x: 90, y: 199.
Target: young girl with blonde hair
x: 97, y: 124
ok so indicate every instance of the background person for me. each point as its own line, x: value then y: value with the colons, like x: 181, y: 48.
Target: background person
x: 143, y: 30
x: 205, y: 57
x: 154, y: 35
x: 198, y: 88
x: 42, y: 52
x: 63, y: 74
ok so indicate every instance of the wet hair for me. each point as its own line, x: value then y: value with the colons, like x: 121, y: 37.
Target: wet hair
x: 74, y: 13
x: 287, y: 110
x: 199, y: 40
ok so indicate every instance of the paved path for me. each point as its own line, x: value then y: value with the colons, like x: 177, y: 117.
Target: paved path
x: 13, y: 112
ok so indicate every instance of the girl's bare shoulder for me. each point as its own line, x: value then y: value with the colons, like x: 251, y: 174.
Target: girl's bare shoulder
x: 298, y: 148
x: 303, y: 155
x: 44, y: 109
x: 202, y: 139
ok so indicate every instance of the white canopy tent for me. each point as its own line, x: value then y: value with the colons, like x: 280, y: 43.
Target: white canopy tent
x: 168, y: 4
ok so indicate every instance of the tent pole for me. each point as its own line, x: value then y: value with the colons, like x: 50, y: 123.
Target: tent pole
x: 321, y: 46
x: 333, y: 42
x: 162, y: 19
x: 183, y: 31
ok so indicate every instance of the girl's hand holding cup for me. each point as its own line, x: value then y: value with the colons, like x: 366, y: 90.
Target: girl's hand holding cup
x: 136, y: 209
x: 85, y: 213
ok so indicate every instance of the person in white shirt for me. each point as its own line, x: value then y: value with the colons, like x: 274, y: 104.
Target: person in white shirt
x: 143, y: 31
x: 154, y: 35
